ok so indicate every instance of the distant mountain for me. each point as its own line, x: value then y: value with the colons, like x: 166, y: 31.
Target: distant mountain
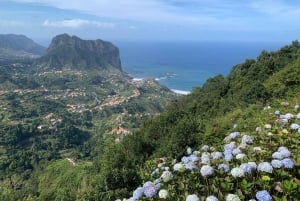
x: 71, y: 52
x: 19, y: 46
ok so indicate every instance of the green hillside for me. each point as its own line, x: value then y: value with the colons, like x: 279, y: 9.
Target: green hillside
x: 236, y: 138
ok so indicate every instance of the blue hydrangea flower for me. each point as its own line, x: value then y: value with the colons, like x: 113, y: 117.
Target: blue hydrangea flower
x: 228, y: 157
x: 263, y: 196
x: 277, y: 112
x: 223, y: 167
x: 138, y: 193
x: 295, y: 126
x: 277, y: 155
x: 205, y: 148
x: 185, y: 159
x: 234, y: 135
x: 249, y: 167
x: 193, y: 158
x: 217, y: 155
x: 229, y: 147
x: 276, y: 163
x: 192, y: 197
x: 206, y: 170
x: 284, y: 152
x: 265, y: 167
x: 190, y: 166
x: 287, y: 163
x: 205, y: 158
x: 236, y: 151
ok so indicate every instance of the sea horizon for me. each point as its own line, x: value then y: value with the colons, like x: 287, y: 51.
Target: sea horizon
x: 182, y: 66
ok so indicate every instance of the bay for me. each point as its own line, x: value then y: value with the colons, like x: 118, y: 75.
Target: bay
x: 183, y: 65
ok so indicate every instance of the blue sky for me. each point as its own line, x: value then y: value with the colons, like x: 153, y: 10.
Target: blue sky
x: 242, y: 20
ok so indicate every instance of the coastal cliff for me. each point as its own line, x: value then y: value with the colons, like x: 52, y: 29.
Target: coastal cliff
x: 71, y: 52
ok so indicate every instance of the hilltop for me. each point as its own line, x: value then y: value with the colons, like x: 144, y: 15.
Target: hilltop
x: 19, y: 47
x: 73, y: 53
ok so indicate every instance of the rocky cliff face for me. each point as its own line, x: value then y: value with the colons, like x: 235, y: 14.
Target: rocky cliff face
x: 71, y: 52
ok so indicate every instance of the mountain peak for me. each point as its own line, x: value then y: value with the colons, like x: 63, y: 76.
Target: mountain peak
x: 72, y: 52
x: 19, y: 46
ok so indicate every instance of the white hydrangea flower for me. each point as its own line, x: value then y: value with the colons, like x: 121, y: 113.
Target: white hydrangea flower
x: 166, y: 176
x: 211, y: 198
x: 179, y: 167
x: 240, y: 156
x: 206, y: 170
x: 268, y: 126
x: 237, y: 172
x: 163, y: 194
x: 192, y: 197
x: 189, y: 151
x: 232, y: 197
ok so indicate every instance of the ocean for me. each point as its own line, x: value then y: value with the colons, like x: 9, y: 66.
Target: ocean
x: 181, y: 66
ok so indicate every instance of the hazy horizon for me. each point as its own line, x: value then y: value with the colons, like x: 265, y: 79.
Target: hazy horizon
x: 157, y: 20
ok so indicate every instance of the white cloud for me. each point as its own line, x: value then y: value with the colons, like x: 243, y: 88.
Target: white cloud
x: 10, y: 23
x: 161, y: 11
x: 77, y: 23
x: 276, y: 8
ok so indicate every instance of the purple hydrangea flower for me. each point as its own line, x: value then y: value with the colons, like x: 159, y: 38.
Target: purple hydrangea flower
x: 263, y: 196
x: 150, y: 189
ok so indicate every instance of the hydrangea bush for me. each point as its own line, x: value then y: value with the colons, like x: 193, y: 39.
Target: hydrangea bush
x: 263, y: 165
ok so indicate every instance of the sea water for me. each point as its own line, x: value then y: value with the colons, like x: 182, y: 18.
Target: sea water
x: 181, y: 66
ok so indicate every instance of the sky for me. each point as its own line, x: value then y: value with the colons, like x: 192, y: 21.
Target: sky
x: 127, y: 20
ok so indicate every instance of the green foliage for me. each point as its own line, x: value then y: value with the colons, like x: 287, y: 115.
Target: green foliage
x: 286, y: 81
